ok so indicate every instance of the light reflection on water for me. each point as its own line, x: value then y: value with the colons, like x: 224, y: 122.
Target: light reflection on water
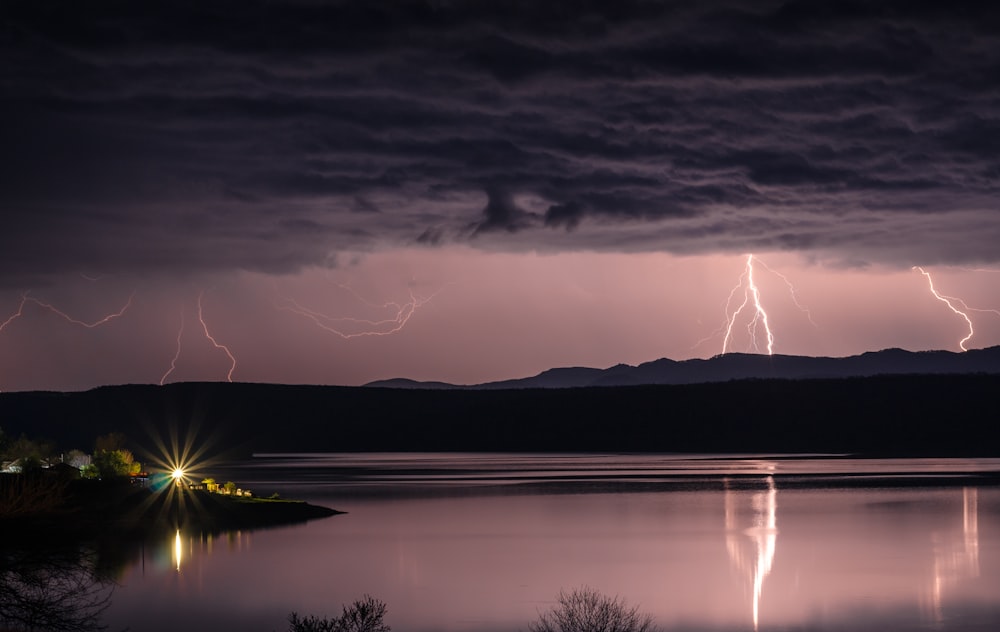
x: 955, y: 558
x: 762, y: 534
x: 741, y: 553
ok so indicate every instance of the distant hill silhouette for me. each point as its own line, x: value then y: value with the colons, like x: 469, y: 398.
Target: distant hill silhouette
x: 742, y: 366
x: 888, y: 415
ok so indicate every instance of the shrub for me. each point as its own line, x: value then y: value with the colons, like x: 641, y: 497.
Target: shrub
x: 586, y: 610
x: 114, y: 463
x: 311, y: 623
x: 364, y: 615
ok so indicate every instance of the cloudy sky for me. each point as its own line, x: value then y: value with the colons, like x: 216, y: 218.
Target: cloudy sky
x: 337, y: 192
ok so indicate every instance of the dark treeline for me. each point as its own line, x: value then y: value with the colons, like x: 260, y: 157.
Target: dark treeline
x: 944, y: 415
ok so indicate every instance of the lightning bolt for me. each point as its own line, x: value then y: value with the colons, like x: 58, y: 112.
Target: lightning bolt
x: 27, y: 298
x: 177, y: 353
x: 342, y: 325
x: 75, y: 321
x: 15, y: 315
x: 975, y: 309
x: 204, y: 326
x: 791, y: 291
x: 751, y: 297
x: 947, y: 300
x: 751, y: 293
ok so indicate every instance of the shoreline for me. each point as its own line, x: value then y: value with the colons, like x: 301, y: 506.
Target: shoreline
x: 84, y: 509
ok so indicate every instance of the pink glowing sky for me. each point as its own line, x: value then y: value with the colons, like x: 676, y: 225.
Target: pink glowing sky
x: 567, y: 186
x: 488, y: 316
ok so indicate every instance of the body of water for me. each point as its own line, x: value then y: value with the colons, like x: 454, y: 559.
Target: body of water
x: 484, y: 543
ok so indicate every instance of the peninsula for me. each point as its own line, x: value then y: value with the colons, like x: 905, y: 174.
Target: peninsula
x: 43, y: 502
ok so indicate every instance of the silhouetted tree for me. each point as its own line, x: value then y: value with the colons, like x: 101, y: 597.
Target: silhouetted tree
x: 311, y: 623
x: 587, y: 610
x: 51, y: 590
x: 109, y: 442
x: 24, y: 448
x: 364, y: 615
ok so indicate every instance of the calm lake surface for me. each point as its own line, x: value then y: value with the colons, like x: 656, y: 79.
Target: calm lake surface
x: 485, y: 542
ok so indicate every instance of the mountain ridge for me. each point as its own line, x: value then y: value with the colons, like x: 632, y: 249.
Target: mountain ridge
x: 737, y: 366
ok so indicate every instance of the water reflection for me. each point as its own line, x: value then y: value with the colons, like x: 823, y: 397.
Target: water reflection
x: 857, y: 558
x: 186, y: 549
x: 178, y: 550
x: 751, y: 548
x: 956, y: 555
x: 751, y: 533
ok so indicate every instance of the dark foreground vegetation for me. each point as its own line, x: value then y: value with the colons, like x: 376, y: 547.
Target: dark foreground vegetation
x: 364, y: 615
x: 912, y: 415
x: 587, y: 610
x: 52, y: 586
x: 580, y: 610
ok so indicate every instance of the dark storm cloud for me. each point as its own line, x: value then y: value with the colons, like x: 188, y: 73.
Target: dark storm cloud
x: 267, y: 136
x: 502, y: 214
